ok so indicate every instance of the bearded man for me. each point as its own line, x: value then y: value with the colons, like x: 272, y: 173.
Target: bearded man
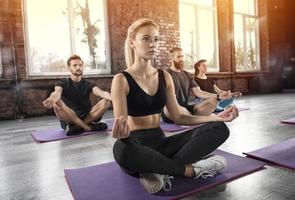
x: 184, y: 84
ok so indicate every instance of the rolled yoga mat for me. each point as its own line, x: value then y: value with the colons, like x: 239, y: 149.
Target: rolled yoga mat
x: 55, y: 134
x: 108, y: 181
x: 289, y: 121
x: 282, y: 154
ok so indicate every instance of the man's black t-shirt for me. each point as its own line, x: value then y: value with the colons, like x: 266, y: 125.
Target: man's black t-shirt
x: 76, y: 95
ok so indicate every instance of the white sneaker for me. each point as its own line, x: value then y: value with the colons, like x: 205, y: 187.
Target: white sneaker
x: 167, y: 182
x: 210, y: 166
x: 153, y: 183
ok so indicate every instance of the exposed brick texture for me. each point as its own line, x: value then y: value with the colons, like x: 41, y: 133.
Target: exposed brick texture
x: 164, y: 12
x: 22, y: 96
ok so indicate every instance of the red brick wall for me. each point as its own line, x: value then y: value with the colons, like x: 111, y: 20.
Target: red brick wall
x: 121, y: 13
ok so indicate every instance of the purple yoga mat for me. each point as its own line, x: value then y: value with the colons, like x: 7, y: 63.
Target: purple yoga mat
x: 55, y: 134
x: 289, y: 121
x: 243, y: 109
x: 174, y: 127
x: 282, y: 154
x: 108, y: 181
x: 164, y: 126
x: 171, y: 127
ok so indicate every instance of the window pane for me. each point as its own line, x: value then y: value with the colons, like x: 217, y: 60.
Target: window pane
x: 251, y: 43
x: 246, y: 43
x: 207, y: 37
x: 188, y: 34
x: 244, y: 6
x: 239, y: 41
x: 198, y: 34
x: 89, y: 34
x: 48, y: 30
x: 200, y: 2
x: 57, y: 29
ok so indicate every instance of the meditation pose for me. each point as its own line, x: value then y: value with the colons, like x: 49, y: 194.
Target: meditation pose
x: 139, y: 94
x: 184, y: 84
x: 71, y: 101
x: 208, y: 85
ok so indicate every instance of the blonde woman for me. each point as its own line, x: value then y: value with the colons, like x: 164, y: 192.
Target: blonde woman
x: 139, y: 94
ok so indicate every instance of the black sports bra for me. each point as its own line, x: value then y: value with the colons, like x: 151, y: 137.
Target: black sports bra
x: 139, y: 103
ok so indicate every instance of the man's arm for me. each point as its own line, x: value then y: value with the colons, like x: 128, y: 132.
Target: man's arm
x: 100, y: 93
x: 53, y: 98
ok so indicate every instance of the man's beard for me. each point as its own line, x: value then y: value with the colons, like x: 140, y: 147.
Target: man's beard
x: 178, y: 65
x: 77, y: 73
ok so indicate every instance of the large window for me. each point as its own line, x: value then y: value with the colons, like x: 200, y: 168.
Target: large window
x: 56, y: 29
x: 246, y: 35
x: 198, y: 32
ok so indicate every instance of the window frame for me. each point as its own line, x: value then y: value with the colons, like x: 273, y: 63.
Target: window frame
x: 29, y: 72
x: 1, y: 68
x: 214, y: 10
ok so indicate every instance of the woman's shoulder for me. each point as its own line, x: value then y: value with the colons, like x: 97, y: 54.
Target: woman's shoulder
x: 121, y: 76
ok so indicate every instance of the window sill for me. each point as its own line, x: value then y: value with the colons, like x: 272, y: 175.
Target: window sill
x: 237, y: 74
x: 55, y: 77
x: 5, y: 79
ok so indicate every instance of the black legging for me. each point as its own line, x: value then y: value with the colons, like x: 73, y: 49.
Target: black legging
x: 149, y: 151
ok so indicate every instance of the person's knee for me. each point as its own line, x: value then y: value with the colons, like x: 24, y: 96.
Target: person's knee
x: 122, y: 154
x: 223, y: 130
x: 59, y: 106
x: 59, y: 109
x: 106, y: 103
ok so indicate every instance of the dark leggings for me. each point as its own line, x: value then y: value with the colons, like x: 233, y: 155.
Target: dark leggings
x: 149, y: 151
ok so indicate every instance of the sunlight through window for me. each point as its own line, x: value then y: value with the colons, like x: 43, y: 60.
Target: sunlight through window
x: 246, y: 35
x: 198, y: 32
x: 56, y: 29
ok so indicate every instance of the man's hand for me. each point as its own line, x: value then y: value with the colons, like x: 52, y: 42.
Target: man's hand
x: 236, y: 94
x: 48, y: 103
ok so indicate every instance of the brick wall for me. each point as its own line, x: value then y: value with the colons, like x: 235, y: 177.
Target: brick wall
x: 22, y: 95
x: 122, y: 13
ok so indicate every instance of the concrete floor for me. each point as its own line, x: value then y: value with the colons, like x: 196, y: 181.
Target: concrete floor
x: 35, y: 171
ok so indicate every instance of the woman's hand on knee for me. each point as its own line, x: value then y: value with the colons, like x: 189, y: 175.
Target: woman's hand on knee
x: 228, y: 115
x: 120, y: 128
x: 236, y: 94
x: 225, y: 95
